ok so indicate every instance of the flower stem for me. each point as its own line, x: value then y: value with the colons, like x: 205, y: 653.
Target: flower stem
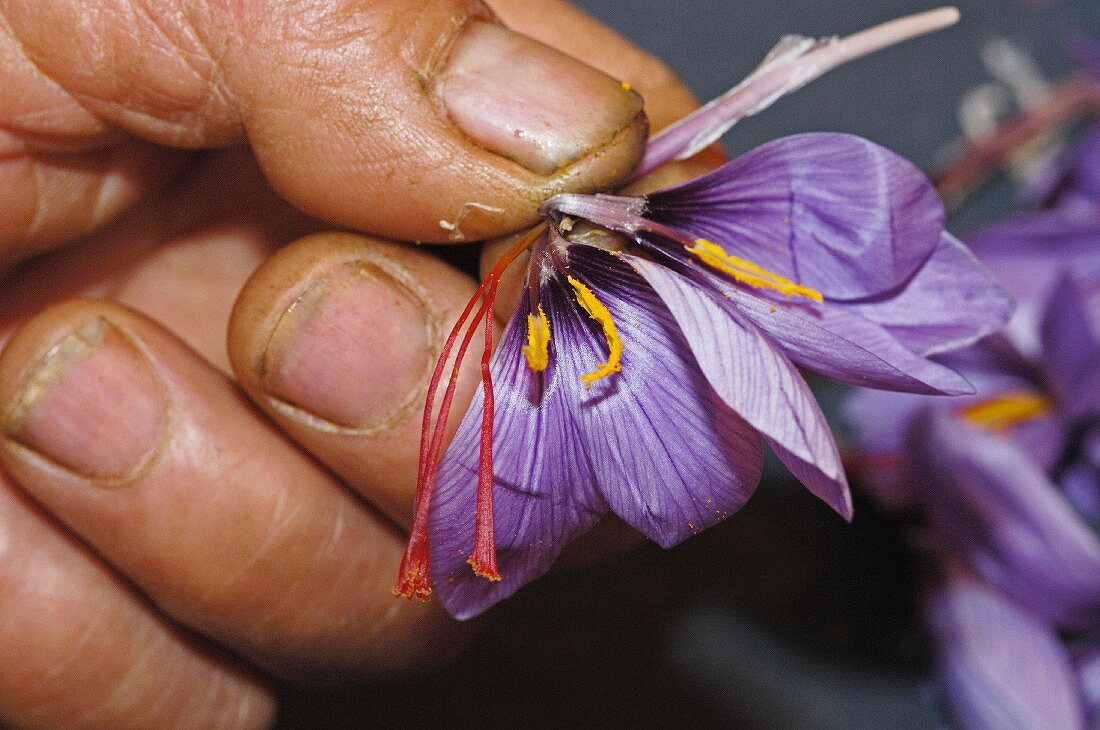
x: 969, y: 169
x: 793, y: 63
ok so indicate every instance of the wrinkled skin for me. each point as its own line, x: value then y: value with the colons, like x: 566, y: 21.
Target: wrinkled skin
x: 232, y: 517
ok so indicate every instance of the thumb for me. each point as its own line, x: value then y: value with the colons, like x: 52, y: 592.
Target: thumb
x: 414, y: 119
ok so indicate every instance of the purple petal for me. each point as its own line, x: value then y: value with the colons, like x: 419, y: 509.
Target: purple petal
x: 831, y: 211
x: 1080, y: 482
x: 1090, y: 448
x: 545, y: 483
x: 1081, y: 188
x: 1029, y: 253
x: 992, y: 365
x: 753, y: 376
x: 1042, y: 439
x: 950, y: 303
x: 992, y: 504
x: 844, y: 346
x: 834, y: 342
x: 670, y: 457
x: 1071, y: 343
x: 1002, y: 666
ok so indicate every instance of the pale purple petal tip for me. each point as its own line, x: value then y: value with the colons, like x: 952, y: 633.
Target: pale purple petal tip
x: 1002, y: 666
x: 950, y: 303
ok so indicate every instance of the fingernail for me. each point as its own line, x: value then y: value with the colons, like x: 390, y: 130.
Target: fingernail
x: 528, y: 102
x: 353, y: 351
x: 92, y: 404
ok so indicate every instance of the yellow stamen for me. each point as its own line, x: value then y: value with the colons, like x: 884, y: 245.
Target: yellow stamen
x: 626, y: 86
x: 597, y: 311
x: 537, y: 349
x: 749, y: 273
x: 1005, y: 411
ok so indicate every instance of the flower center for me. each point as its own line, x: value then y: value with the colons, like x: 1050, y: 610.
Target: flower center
x: 1003, y: 412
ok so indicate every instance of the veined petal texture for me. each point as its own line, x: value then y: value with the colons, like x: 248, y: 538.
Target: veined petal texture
x: 833, y: 212
x: 951, y: 302
x: 843, y: 346
x: 671, y: 458
x: 544, y: 483
x: 752, y: 375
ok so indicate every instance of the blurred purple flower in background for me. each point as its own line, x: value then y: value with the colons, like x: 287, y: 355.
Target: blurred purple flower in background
x: 1003, y: 666
x: 657, y: 342
x: 1006, y: 484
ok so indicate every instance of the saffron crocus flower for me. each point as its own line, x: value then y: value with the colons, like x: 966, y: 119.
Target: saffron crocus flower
x: 655, y: 349
x: 1006, y: 484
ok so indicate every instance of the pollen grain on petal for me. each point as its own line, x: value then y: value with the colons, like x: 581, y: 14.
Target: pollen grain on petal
x: 597, y: 311
x: 1004, y: 411
x: 537, y: 349
x: 749, y: 273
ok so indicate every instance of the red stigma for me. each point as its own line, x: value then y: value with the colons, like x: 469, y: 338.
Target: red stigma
x: 414, y: 577
x: 484, y: 557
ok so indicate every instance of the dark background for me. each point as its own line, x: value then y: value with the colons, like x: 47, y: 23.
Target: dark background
x: 783, y: 616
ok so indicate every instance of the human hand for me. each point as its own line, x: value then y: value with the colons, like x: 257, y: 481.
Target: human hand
x: 166, y: 550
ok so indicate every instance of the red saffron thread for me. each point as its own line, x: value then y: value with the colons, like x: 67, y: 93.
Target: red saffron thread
x: 414, y: 579
x: 484, y: 557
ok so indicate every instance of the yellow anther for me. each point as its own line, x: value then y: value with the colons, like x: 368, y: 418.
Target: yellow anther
x: 597, y: 311
x: 537, y: 349
x: 749, y: 273
x: 626, y: 86
x: 1005, y: 411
